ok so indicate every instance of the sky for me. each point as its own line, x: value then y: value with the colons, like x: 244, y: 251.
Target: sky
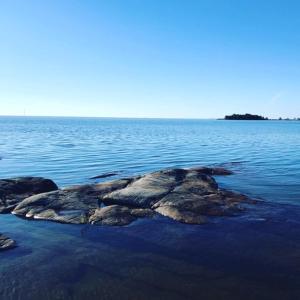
x: 150, y: 58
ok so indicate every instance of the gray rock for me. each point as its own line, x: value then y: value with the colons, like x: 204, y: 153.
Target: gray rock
x: 148, y: 189
x: 118, y: 215
x: 14, y: 190
x: 213, y: 171
x: 185, y: 195
x: 198, y: 195
x: 183, y: 216
x: 6, y: 243
x: 69, y: 205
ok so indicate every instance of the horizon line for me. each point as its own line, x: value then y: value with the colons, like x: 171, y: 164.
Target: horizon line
x: 137, y: 118
x: 101, y: 117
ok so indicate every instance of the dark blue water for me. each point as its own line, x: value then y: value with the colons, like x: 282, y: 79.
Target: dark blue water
x: 253, y: 256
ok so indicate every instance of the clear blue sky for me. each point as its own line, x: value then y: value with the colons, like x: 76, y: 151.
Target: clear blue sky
x: 150, y: 58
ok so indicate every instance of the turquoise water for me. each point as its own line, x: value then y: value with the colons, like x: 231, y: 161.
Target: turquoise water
x: 253, y: 256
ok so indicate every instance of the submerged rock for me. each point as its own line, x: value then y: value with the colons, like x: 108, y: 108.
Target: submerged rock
x: 105, y: 175
x: 213, y: 171
x: 14, y: 190
x: 185, y: 195
x: 6, y: 243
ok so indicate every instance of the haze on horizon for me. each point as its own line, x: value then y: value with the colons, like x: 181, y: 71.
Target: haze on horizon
x: 130, y: 58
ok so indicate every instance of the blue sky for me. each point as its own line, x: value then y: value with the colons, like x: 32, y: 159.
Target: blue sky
x: 150, y: 58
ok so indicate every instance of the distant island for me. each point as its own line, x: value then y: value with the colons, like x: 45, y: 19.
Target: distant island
x: 245, y: 117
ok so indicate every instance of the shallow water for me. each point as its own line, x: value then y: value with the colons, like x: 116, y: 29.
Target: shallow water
x: 253, y: 256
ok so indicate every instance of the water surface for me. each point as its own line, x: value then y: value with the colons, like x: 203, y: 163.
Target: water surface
x: 264, y: 154
x: 253, y: 256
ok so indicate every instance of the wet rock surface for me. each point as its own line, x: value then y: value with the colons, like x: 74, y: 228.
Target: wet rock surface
x: 6, y: 243
x: 186, y: 195
x: 14, y: 190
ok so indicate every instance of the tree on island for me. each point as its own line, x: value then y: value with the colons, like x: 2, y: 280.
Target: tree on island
x: 245, y: 117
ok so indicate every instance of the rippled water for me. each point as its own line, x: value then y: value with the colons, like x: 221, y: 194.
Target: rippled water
x: 253, y: 256
x: 265, y: 155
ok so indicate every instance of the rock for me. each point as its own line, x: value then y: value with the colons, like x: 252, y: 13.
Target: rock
x: 148, y: 189
x: 69, y: 205
x: 213, y: 171
x: 118, y: 215
x: 6, y: 243
x: 14, y: 190
x: 183, y: 216
x: 185, y: 195
x: 197, y: 196
x: 105, y: 175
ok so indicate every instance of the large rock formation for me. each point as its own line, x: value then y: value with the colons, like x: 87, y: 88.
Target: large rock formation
x: 68, y: 205
x: 6, y: 243
x: 14, y: 190
x: 185, y: 195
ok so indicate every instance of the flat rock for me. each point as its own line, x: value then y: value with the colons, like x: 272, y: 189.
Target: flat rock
x: 148, y: 189
x: 6, y: 243
x: 14, y: 190
x: 185, y: 195
x: 69, y: 205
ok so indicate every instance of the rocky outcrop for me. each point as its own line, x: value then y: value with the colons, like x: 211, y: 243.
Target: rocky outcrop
x: 69, y: 205
x: 14, y: 190
x: 185, y: 195
x: 198, y: 195
x: 6, y: 243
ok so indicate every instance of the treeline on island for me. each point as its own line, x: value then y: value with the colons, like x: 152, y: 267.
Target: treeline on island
x: 255, y: 117
x: 245, y: 117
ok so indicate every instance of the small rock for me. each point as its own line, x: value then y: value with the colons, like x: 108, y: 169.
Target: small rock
x: 14, y: 190
x: 213, y: 171
x: 6, y: 243
x: 105, y: 175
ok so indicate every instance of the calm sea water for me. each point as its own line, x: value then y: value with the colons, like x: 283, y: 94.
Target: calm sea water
x: 253, y: 256
x: 264, y: 155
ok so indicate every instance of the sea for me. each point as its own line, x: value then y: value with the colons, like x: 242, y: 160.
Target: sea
x: 252, y: 256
